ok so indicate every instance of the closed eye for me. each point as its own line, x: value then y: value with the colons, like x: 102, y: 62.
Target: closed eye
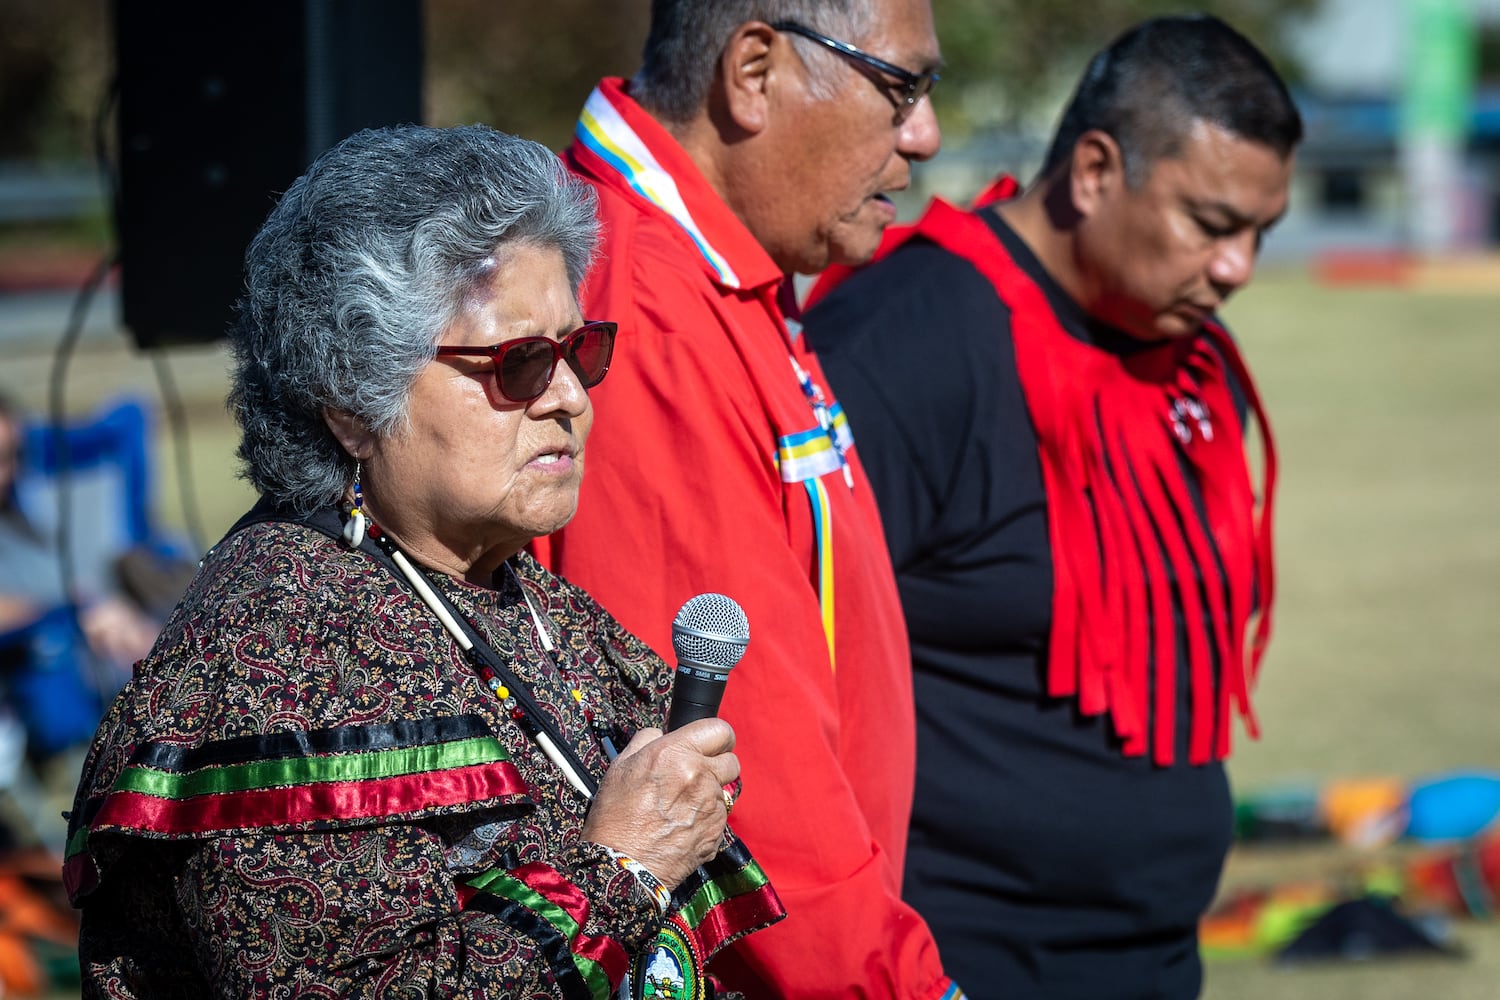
x: 1215, y: 230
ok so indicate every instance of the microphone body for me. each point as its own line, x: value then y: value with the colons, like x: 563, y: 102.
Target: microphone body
x: 709, y: 636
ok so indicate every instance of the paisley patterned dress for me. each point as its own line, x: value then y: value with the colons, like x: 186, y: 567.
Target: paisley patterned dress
x: 306, y: 790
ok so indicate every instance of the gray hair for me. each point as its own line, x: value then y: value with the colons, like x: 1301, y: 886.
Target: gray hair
x: 687, y: 37
x: 360, y: 266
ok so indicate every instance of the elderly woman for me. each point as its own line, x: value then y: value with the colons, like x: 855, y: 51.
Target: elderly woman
x: 374, y: 752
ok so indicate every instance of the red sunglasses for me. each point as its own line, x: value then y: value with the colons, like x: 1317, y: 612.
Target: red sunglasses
x: 524, y: 367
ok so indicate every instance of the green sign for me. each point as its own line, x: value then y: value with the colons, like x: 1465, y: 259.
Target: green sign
x: 1440, y: 68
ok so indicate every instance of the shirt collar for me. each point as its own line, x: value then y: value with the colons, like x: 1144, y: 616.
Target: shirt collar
x: 1070, y: 313
x: 643, y: 156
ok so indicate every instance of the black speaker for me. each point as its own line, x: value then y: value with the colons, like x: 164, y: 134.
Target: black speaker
x: 221, y: 107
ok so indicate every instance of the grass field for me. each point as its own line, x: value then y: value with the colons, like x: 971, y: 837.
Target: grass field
x: 1386, y: 404
x: 1387, y: 408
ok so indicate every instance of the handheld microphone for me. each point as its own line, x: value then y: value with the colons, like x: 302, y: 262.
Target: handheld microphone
x: 709, y: 636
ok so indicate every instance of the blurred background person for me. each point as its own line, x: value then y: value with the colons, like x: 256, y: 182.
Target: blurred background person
x: 58, y: 661
x: 374, y: 750
x: 1054, y: 422
x: 758, y: 140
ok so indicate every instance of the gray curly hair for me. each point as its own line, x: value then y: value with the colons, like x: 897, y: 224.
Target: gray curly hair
x: 362, y: 263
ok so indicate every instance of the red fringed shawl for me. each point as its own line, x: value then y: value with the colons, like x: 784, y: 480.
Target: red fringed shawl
x: 1117, y: 438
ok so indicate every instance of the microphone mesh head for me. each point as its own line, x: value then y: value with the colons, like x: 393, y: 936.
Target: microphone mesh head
x: 710, y: 631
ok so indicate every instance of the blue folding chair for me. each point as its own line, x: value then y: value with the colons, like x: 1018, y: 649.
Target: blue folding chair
x: 52, y: 680
x: 105, y: 460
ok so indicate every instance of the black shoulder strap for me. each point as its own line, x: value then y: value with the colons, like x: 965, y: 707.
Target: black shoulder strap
x: 328, y: 521
x: 324, y: 519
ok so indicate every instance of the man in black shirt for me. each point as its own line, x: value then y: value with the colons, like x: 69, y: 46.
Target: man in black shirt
x: 1054, y: 424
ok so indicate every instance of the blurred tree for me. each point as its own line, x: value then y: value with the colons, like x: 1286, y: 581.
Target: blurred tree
x: 526, y: 67
x: 54, y: 64
x: 1010, y: 61
x: 1489, y: 54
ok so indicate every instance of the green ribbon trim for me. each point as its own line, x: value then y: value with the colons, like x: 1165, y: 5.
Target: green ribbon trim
x: 499, y: 883
x: 361, y: 766
x: 748, y: 879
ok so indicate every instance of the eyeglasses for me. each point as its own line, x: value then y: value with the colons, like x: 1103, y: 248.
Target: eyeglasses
x: 524, y: 367
x: 912, y: 88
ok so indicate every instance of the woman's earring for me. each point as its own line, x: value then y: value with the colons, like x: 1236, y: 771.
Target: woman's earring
x: 354, y: 528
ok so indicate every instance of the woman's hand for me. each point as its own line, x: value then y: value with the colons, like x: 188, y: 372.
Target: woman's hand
x: 662, y: 800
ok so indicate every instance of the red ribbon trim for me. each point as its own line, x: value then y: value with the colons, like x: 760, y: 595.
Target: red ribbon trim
x: 737, y: 916
x: 134, y: 812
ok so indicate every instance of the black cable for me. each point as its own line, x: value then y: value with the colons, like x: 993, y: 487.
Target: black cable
x: 165, y: 383
x: 58, y: 416
x: 57, y: 406
x: 177, y: 420
x: 102, y: 161
x: 57, y: 410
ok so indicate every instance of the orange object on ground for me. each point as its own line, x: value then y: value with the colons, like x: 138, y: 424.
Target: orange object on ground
x: 1364, y: 267
x: 31, y: 923
x: 1365, y: 812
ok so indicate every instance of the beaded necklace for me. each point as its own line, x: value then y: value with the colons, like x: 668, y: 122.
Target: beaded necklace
x: 602, y: 730
x: 514, y: 696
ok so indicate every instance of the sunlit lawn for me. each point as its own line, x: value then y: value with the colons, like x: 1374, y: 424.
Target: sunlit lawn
x: 1387, y: 407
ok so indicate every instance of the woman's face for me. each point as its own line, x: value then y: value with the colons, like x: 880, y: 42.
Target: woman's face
x: 474, y: 477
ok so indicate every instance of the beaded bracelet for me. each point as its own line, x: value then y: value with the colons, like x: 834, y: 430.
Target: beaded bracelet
x: 659, y: 893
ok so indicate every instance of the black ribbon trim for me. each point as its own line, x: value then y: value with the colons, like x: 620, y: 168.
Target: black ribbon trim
x: 550, y: 941
x: 310, y: 743
x: 179, y: 759
x: 728, y: 861
x: 328, y: 521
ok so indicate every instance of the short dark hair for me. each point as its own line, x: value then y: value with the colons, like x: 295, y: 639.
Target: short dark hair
x: 1156, y: 81
x: 687, y: 37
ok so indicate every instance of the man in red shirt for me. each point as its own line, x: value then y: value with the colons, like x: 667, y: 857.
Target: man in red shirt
x: 743, y: 151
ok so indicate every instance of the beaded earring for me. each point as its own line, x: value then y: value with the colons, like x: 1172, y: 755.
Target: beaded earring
x: 354, y: 528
